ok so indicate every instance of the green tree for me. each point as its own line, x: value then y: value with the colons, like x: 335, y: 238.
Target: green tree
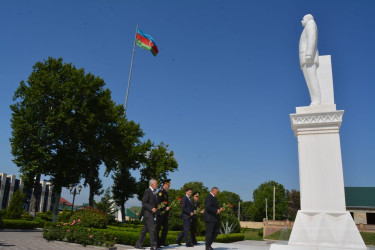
x: 231, y: 198
x: 124, y: 187
x: 41, y: 122
x: 158, y: 164
x: 129, y: 153
x: 294, y: 204
x: 265, y: 190
x: 62, y: 123
x: 15, y: 208
x: 107, y: 204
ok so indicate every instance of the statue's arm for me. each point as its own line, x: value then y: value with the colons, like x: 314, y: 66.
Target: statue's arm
x: 312, y: 38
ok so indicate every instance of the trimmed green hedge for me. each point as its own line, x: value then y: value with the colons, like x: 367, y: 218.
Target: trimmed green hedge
x: 227, y: 238
x: 78, y: 234
x: 127, y: 236
x: 20, y: 224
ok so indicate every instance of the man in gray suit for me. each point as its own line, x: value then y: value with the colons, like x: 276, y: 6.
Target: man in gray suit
x: 148, y: 210
x: 309, y: 57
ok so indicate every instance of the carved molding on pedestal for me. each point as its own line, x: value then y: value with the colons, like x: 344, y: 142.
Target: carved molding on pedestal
x: 316, y: 122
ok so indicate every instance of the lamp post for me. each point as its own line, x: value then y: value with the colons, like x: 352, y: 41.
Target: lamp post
x: 74, y: 195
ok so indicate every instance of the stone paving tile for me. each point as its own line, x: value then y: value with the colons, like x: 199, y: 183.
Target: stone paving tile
x: 30, y: 240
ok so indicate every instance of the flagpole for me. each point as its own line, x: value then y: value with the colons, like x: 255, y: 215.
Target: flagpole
x: 131, y: 69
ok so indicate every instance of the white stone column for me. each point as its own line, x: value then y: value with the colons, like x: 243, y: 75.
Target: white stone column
x: 2, y: 188
x: 320, y: 166
x: 12, y: 186
x: 42, y: 196
x: 49, y: 196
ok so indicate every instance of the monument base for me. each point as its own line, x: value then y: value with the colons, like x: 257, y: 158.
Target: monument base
x: 323, y: 230
x: 277, y: 246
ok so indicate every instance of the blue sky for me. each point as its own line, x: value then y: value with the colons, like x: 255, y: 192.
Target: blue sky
x: 222, y: 87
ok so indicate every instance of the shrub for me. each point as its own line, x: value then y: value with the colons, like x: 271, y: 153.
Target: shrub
x: 15, y: 210
x: 53, y: 232
x: 175, y: 224
x: 90, y: 217
x: 232, y: 222
x: 78, y: 234
x: 27, y: 216
x: 19, y: 224
x: 63, y: 216
x: 227, y: 238
x: 47, y: 216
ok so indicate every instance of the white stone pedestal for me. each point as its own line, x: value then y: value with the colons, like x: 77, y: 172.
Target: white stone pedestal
x: 322, y: 222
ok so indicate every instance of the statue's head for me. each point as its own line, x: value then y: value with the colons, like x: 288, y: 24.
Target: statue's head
x: 306, y: 18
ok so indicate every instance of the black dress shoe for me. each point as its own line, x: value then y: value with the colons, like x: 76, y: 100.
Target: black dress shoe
x: 195, y: 243
x: 138, y: 247
x: 165, y: 244
x: 178, y: 243
x: 153, y: 248
x: 189, y: 245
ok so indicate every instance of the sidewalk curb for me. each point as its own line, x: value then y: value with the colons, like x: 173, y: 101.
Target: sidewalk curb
x: 21, y: 230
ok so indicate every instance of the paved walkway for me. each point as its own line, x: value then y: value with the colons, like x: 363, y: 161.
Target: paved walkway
x: 33, y: 240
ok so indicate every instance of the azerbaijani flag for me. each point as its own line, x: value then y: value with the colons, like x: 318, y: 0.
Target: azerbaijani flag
x: 146, y: 42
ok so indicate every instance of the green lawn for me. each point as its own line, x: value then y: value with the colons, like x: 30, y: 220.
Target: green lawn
x: 253, y: 234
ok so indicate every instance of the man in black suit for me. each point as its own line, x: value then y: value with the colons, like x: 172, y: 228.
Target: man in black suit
x: 148, y: 210
x: 187, y: 213
x: 212, y: 217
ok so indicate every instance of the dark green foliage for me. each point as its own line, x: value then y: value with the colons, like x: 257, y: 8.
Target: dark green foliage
x: 78, y: 234
x: 227, y: 238
x: 90, y: 217
x: 232, y: 220
x: 125, y: 236
x: 20, y: 224
x: 47, y: 216
x: 27, y: 216
x: 14, y: 210
x: 265, y: 190
x: 107, y: 205
x: 175, y: 223
x: 64, y: 216
x: 294, y: 204
x: 158, y: 164
x: 229, y: 197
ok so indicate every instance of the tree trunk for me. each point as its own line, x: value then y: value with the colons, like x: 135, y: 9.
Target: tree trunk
x: 33, y: 203
x: 123, y: 219
x: 91, y: 196
x: 56, y: 204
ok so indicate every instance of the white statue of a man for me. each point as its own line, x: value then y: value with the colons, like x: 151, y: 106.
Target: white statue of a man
x: 309, y: 57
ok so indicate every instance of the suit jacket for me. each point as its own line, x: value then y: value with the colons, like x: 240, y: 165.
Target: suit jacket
x: 187, y: 206
x: 308, y: 43
x: 210, y: 210
x: 148, y: 203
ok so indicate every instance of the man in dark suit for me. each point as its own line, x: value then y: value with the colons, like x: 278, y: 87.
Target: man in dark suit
x: 148, y: 209
x: 187, y: 213
x: 212, y: 217
x: 194, y: 218
x: 162, y: 215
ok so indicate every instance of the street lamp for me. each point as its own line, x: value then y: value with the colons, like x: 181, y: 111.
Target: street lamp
x: 74, y: 194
